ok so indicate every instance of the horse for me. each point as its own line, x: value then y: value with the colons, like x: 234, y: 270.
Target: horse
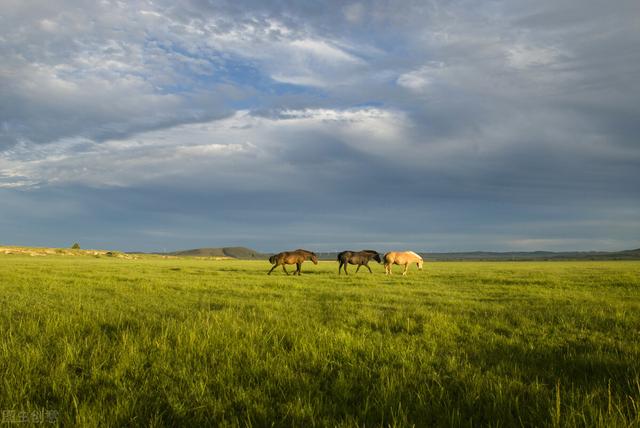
x: 401, y: 258
x: 360, y: 258
x: 295, y: 257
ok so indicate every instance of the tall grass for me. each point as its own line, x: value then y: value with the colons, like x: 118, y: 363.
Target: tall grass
x: 157, y: 342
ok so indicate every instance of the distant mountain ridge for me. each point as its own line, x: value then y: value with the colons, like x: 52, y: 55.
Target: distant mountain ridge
x: 233, y: 252
x: 245, y: 253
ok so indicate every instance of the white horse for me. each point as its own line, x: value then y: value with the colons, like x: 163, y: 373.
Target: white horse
x: 401, y: 258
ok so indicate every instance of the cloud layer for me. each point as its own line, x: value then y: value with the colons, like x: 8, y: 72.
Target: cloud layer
x: 431, y: 125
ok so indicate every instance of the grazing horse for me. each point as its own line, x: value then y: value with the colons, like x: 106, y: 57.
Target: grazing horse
x: 401, y: 258
x: 360, y: 258
x: 292, y: 258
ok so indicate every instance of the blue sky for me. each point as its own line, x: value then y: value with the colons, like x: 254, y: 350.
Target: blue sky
x: 429, y: 125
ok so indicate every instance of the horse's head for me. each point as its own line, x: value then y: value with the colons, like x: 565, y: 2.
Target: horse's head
x: 314, y: 258
x: 377, y: 257
x: 419, y: 264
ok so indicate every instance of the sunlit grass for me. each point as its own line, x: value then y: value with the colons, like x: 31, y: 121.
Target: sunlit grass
x: 167, y: 342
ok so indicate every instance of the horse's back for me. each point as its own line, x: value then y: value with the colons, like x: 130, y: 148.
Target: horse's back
x: 410, y: 257
x: 401, y: 257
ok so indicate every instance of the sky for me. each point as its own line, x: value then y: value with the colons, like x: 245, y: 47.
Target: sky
x: 432, y: 125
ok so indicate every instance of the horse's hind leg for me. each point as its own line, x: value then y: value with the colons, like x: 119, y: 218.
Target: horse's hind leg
x: 340, y: 268
x: 406, y: 267
x: 298, y: 269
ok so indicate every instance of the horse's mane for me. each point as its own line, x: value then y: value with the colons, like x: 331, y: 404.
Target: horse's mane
x: 417, y: 255
x: 300, y: 250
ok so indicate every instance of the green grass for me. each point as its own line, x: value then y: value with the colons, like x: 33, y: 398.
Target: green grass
x: 166, y: 342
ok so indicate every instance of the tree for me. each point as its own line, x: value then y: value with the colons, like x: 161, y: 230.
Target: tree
x: 75, y: 246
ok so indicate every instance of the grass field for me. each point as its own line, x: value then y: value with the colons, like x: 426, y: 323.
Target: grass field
x: 166, y: 342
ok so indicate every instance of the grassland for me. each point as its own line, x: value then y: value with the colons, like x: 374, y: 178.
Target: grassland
x: 168, y: 342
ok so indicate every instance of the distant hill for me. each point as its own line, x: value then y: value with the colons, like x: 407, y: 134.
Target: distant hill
x: 44, y: 251
x: 233, y: 252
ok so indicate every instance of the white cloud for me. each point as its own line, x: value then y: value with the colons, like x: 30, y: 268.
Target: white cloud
x: 118, y: 69
x: 287, y: 55
x: 414, y: 80
x: 419, y: 80
x: 322, y: 51
x: 216, y: 151
x: 523, y: 56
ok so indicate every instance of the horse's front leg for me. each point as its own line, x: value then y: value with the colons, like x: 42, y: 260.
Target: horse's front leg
x: 298, y: 268
x: 274, y: 266
x: 368, y: 267
x: 358, y: 268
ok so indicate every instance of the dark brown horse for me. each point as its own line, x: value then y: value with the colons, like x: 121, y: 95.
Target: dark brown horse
x: 360, y: 258
x: 292, y: 258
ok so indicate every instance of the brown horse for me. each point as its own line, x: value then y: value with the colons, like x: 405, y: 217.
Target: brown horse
x: 292, y: 258
x: 360, y: 258
x: 401, y: 258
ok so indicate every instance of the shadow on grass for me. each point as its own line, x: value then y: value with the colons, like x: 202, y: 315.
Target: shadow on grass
x: 573, y: 363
